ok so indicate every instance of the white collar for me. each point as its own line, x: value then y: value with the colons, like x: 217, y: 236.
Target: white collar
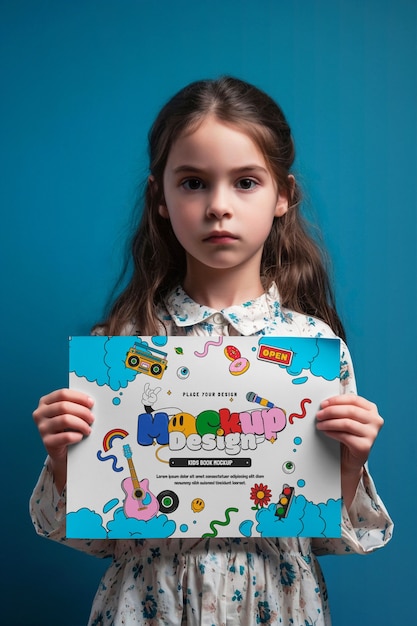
x: 247, y: 318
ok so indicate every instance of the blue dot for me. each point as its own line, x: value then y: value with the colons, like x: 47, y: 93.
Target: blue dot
x: 184, y: 528
x: 116, y: 401
x: 301, y: 483
x: 297, y: 441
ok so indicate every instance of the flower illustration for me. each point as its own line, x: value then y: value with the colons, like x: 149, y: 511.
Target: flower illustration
x: 260, y: 494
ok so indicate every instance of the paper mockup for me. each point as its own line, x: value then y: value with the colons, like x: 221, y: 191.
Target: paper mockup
x: 204, y: 437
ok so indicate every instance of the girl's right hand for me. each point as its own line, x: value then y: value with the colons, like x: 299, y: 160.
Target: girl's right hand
x: 63, y: 418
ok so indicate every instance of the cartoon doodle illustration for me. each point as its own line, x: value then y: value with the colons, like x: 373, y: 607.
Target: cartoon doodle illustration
x: 108, y: 439
x: 232, y: 353
x: 251, y: 396
x: 168, y: 501
x: 210, y: 425
x: 300, y: 381
x: 288, y: 467
x: 303, y: 411
x: 197, y: 505
x: 284, y: 501
x: 261, y: 495
x: 110, y: 457
x: 302, y: 357
x: 183, y: 423
x: 111, y: 504
x: 214, y: 532
x: 149, y: 397
x: 158, y: 450
x: 218, y: 342
x: 275, y: 355
x: 239, y: 364
x: 219, y: 430
x: 152, y: 426
x: 146, y: 360
x: 139, y: 503
x: 183, y: 373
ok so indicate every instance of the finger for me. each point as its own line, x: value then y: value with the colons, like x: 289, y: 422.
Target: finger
x: 49, y: 405
x: 61, y: 440
x: 349, y: 399
x: 362, y: 411
x: 64, y: 423
x: 340, y: 412
x: 348, y: 426
x: 64, y: 410
x: 67, y: 395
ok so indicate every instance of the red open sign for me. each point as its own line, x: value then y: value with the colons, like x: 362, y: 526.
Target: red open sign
x: 275, y: 355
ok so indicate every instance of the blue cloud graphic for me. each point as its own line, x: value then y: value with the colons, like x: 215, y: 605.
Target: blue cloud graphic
x: 319, y: 355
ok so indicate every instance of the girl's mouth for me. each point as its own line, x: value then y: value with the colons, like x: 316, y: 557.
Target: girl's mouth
x: 220, y: 238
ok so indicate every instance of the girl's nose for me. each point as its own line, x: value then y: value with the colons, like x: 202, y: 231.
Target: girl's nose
x: 218, y: 204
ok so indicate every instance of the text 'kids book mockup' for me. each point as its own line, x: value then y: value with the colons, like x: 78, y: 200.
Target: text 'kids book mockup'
x: 204, y: 437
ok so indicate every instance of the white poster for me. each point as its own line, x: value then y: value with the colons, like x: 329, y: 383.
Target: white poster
x: 204, y: 437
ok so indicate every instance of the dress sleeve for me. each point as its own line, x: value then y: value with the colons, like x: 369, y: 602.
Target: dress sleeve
x: 347, y: 373
x: 367, y: 525
x: 47, y: 510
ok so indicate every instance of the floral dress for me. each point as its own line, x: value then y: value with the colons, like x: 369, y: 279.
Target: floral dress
x: 220, y: 581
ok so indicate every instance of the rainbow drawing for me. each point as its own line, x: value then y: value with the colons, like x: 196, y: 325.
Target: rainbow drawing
x: 116, y: 433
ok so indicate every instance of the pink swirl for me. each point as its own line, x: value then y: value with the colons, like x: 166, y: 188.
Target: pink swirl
x: 207, y: 345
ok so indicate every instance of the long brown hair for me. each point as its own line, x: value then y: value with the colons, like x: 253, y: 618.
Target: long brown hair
x: 291, y: 256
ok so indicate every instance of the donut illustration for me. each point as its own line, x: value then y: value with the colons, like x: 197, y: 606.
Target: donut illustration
x: 239, y: 366
x: 232, y: 353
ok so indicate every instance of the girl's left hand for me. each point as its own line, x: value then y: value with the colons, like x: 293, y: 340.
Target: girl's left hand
x: 355, y: 422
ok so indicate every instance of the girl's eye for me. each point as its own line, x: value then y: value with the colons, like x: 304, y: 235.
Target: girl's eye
x: 247, y: 183
x: 192, y: 184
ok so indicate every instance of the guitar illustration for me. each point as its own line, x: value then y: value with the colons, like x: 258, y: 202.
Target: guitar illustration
x: 139, y: 502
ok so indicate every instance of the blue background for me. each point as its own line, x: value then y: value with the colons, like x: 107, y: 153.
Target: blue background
x: 81, y: 83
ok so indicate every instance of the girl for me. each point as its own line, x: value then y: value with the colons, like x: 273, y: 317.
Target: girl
x: 221, y: 226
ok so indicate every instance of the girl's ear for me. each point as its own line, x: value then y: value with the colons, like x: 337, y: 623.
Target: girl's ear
x: 162, y: 209
x: 284, y: 199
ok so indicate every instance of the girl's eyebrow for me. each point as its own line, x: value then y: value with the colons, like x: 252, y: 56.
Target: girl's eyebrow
x: 234, y: 170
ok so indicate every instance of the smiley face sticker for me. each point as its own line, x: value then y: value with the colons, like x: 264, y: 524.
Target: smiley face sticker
x: 197, y: 505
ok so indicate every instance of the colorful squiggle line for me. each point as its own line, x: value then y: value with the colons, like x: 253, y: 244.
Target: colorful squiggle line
x: 157, y: 453
x: 300, y: 415
x: 226, y: 523
x: 207, y: 345
x: 108, y: 458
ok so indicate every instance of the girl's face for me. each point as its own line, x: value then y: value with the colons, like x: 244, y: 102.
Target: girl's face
x: 220, y: 197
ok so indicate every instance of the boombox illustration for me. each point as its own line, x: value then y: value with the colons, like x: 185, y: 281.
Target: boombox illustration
x: 146, y: 360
